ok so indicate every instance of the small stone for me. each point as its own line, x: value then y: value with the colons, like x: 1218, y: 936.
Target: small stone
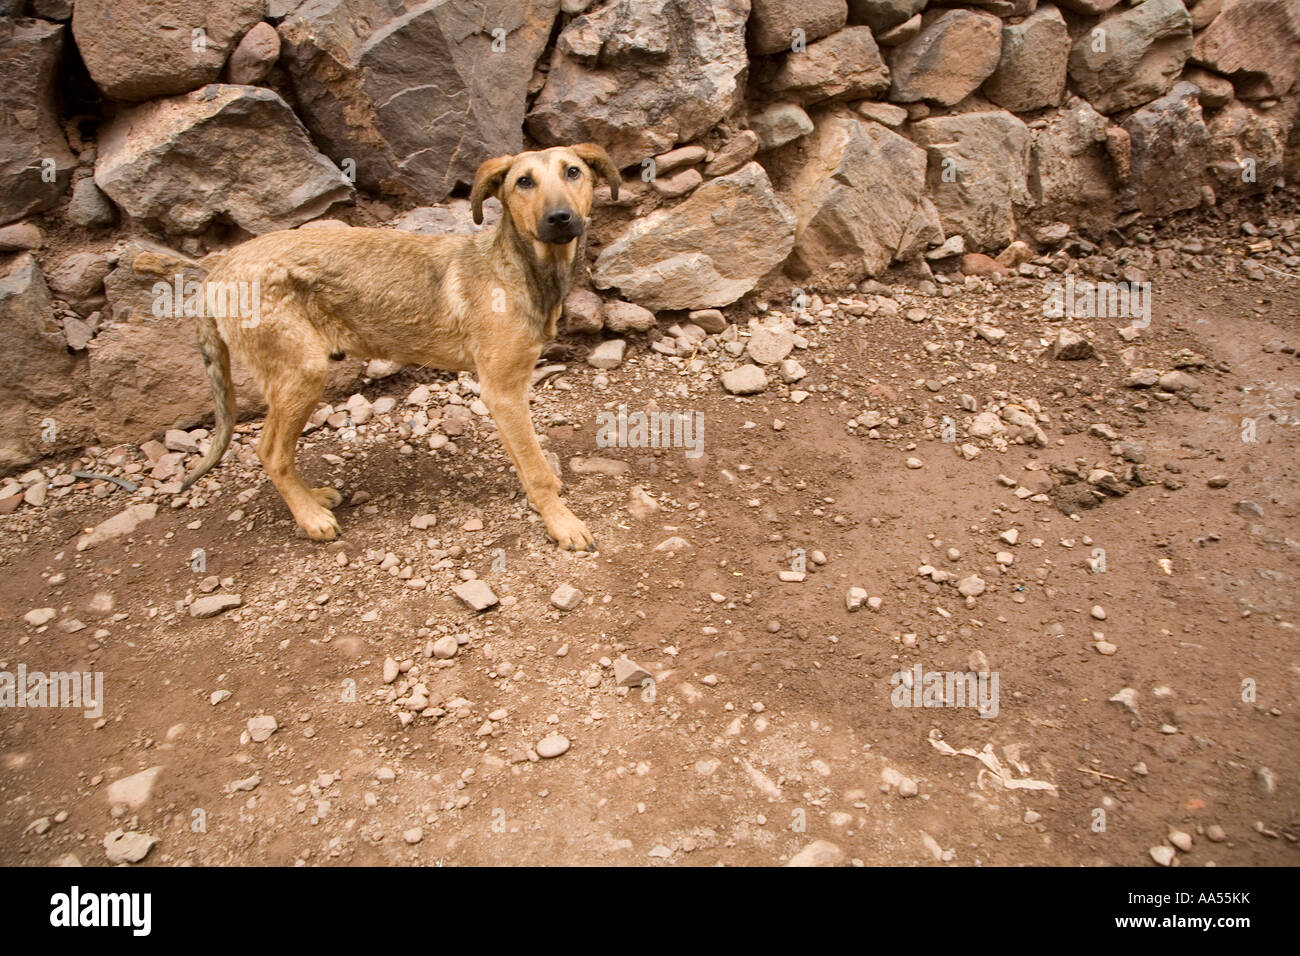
x: 413, y: 835
x: 444, y: 648
x: 552, y: 746
x: 134, y: 791
x: 566, y: 597
x: 607, y: 355
x: 1215, y: 833
x: 475, y: 594
x: 213, y: 604
x: 1070, y: 346
x: 818, y: 853
x: 128, y: 847
x: 261, y: 728
x: 1181, y: 840
x: 628, y: 673
x: 1098, y: 612
x: 1164, y: 855
x: 744, y: 380
x: 39, y: 617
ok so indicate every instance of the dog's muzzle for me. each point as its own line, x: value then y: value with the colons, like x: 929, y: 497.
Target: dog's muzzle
x: 559, y: 226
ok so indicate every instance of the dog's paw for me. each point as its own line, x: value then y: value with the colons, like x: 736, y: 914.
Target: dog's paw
x: 570, y: 533
x: 320, y: 525
x: 327, y: 497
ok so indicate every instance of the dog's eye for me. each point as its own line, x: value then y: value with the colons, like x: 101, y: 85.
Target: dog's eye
x: 573, y: 172
x: 524, y: 182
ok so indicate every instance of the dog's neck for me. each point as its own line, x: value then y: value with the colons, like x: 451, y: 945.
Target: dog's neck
x: 545, y: 268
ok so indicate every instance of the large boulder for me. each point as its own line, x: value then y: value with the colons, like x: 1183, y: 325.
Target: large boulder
x: 1070, y: 175
x: 1170, y: 150
x: 1246, y: 149
x: 35, y: 163
x: 706, y: 252
x: 141, y: 49
x: 45, y: 384
x: 978, y: 173
x: 954, y: 53
x: 881, y: 15
x: 1257, y: 43
x: 640, y: 77
x: 846, y: 65
x: 772, y: 23
x: 224, y: 151
x: 1132, y: 56
x: 1032, y: 67
x: 415, y: 100
x: 859, y: 194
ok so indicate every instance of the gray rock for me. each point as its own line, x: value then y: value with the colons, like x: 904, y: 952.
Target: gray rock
x: 858, y: 192
x: 88, y: 205
x: 143, y: 49
x: 33, y: 142
x: 987, y: 156
x: 639, y: 78
x: 954, y: 53
x: 780, y: 123
x: 705, y: 252
x: 260, y: 169
x: 1031, y: 69
x: 417, y: 97
x: 1132, y: 56
x: 608, y: 354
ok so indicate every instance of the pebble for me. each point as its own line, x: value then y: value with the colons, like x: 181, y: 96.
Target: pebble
x: 1164, y: 855
x: 129, y: 847
x: 745, y: 380
x: 628, y: 673
x: 566, y: 597
x: 444, y: 648
x: 552, y: 746
x: 213, y: 604
x: 1181, y: 839
x: 818, y: 853
x: 38, y: 617
x: 261, y: 728
x: 476, y: 594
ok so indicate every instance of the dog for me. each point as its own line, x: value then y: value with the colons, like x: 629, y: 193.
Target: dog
x: 486, y: 303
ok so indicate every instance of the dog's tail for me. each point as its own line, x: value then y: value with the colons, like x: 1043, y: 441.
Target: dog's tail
x: 216, y: 361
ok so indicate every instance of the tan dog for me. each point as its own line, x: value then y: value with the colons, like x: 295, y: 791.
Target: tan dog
x: 486, y: 303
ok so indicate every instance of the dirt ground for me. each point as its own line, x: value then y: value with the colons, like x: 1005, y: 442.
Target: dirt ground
x: 768, y: 727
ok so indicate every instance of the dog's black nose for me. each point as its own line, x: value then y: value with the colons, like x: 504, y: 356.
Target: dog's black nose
x: 559, y: 225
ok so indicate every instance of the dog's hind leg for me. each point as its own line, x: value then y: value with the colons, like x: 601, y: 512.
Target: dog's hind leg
x: 290, y: 399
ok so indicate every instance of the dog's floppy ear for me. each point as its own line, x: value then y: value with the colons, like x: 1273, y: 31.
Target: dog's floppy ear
x: 596, y: 157
x: 486, y: 183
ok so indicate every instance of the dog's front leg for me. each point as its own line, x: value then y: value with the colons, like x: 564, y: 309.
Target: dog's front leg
x: 504, y: 391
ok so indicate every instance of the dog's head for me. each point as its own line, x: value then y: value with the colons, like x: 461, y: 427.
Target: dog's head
x: 547, y: 193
